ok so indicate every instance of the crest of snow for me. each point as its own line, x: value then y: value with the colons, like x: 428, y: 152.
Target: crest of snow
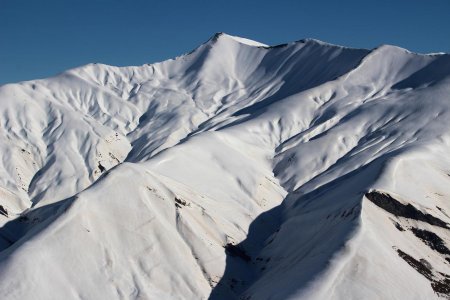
x: 246, y: 41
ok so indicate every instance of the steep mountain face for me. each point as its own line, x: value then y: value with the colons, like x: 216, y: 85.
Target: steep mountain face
x: 237, y: 171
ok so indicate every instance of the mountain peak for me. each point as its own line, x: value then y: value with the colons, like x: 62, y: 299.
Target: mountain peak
x: 224, y: 36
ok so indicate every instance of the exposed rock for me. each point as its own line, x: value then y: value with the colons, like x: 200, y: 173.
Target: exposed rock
x: 101, y: 167
x: 234, y: 250
x: 398, y: 226
x: 420, y: 267
x: 431, y: 239
x: 3, y: 211
x: 440, y: 285
x: 389, y: 204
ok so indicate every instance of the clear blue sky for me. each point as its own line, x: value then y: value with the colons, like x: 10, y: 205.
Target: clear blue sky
x: 40, y: 38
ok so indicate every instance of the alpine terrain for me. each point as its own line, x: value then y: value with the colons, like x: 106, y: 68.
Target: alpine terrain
x: 236, y: 171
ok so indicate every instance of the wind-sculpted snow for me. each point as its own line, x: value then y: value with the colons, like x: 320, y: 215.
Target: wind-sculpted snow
x: 236, y: 171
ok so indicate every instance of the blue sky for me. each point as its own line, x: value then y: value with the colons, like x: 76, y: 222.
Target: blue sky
x: 40, y: 38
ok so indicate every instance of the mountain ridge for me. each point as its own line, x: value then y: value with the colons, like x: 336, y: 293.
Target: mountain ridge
x: 190, y: 178
x: 218, y: 34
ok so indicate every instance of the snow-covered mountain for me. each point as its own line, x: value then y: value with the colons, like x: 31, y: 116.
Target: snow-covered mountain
x: 237, y: 171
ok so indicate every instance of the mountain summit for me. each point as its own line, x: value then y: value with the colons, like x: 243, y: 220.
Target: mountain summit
x: 236, y: 171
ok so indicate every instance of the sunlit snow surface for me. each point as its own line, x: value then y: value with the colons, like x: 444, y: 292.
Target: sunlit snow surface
x: 237, y: 171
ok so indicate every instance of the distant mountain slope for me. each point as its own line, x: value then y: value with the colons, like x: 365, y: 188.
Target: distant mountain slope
x: 237, y: 171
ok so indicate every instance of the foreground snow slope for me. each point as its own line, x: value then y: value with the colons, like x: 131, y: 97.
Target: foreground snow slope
x: 237, y: 171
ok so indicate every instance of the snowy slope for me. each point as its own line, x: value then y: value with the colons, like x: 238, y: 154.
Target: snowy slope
x: 236, y: 171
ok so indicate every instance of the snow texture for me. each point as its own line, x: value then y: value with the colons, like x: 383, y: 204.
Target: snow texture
x: 236, y: 171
